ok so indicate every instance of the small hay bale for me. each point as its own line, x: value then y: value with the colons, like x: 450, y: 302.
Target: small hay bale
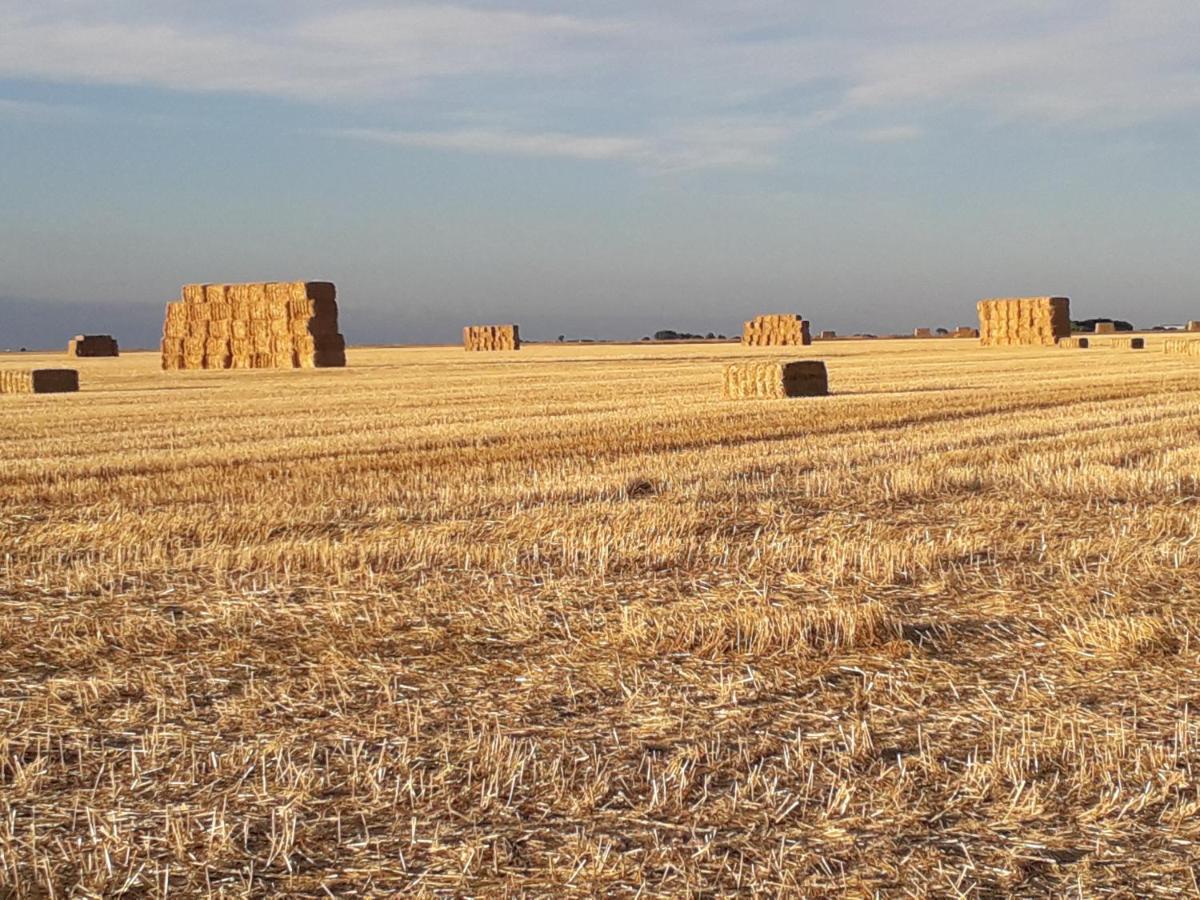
x: 93, y: 345
x: 1105, y: 328
x: 1127, y: 343
x: 773, y: 380
x: 38, y: 381
x: 1074, y: 343
x: 1182, y: 346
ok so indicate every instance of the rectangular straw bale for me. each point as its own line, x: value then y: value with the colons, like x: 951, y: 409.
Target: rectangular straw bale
x: 1105, y: 327
x: 193, y: 293
x: 1074, y: 343
x: 1182, y: 346
x: 93, y: 345
x: 38, y: 381
x: 1127, y: 343
x: 799, y: 378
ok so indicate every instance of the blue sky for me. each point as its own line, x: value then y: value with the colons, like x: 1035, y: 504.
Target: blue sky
x: 599, y: 169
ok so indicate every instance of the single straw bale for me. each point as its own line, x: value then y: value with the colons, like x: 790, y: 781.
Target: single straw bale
x: 1105, y: 327
x: 216, y: 346
x: 261, y: 343
x: 193, y: 293
x: 1182, y: 346
x: 93, y: 345
x: 1074, y: 343
x: 38, y: 381
x: 214, y: 293
x: 1127, y: 343
x: 280, y: 326
x: 217, y: 361
x: 221, y: 328
x: 799, y: 378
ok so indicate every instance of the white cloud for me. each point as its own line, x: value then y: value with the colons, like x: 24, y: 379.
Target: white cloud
x: 697, y: 145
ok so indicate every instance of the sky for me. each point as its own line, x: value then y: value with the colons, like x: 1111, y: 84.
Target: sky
x: 598, y: 170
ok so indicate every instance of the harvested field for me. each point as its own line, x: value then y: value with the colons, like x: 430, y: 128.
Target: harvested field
x: 564, y: 623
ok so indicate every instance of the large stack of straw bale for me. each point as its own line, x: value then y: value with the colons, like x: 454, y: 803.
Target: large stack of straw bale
x: 800, y: 378
x: 93, y: 345
x: 491, y: 337
x: 1182, y: 346
x: 277, y: 325
x: 828, y: 335
x: 964, y: 331
x: 1074, y: 343
x: 1193, y: 325
x: 1020, y: 321
x: 38, y: 381
x: 922, y: 333
x: 776, y: 330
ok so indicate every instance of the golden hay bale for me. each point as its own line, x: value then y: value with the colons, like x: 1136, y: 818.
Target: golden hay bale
x: 491, y: 337
x: 1074, y: 343
x: 776, y: 330
x: 799, y: 378
x: 1024, y: 321
x: 1127, y: 343
x: 38, y: 381
x: 254, y: 325
x: 93, y: 345
x: 1182, y: 346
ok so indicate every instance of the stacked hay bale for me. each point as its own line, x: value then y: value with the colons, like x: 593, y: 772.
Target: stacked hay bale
x: 1127, y: 343
x: 922, y: 333
x: 38, y: 381
x: 964, y: 331
x: 828, y: 335
x: 492, y: 337
x: 275, y: 325
x: 776, y: 330
x: 1193, y: 325
x: 800, y: 378
x: 1104, y: 328
x: 1074, y: 343
x: 1182, y: 346
x: 93, y: 345
x: 1024, y: 321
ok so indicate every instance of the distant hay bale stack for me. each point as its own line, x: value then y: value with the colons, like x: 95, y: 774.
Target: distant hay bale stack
x: 93, y: 345
x: 1127, y: 343
x: 828, y: 335
x: 1193, y: 325
x: 964, y: 331
x: 776, y: 330
x: 1074, y: 343
x: 922, y: 333
x: 38, y: 381
x: 1182, y: 346
x: 491, y: 337
x: 1104, y: 328
x: 1024, y: 321
x: 275, y: 325
x: 773, y: 380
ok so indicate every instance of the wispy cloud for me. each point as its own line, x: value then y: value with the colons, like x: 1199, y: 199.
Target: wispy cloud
x: 699, y: 145
x: 893, y: 134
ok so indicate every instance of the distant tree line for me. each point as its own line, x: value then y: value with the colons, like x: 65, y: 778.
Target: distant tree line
x: 668, y: 335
